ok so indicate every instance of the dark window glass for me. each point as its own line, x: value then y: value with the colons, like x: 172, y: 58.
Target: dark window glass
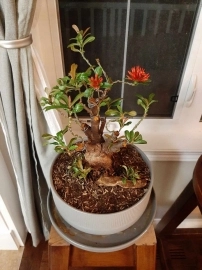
x: 153, y: 34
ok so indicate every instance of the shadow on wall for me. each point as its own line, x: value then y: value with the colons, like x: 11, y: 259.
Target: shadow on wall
x: 170, y: 178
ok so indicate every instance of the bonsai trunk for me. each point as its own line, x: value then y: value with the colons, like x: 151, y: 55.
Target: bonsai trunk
x: 95, y: 154
x: 99, y: 153
x: 94, y: 132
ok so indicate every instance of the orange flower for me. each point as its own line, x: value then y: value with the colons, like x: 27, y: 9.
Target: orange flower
x: 95, y: 82
x: 138, y: 74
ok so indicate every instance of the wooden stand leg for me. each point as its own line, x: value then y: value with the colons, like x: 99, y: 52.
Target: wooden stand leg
x: 141, y: 255
x: 145, y: 251
x: 58, y: 252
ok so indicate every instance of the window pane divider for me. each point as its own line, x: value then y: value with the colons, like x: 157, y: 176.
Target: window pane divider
x: 125, y: 47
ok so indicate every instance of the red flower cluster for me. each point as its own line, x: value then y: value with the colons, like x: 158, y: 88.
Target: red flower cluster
x: 138, y: 74
x: 95, y: 82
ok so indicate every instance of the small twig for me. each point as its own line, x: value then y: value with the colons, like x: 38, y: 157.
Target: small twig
x: 83, y: 56
x: 105, y: 74
x: 142, y: 118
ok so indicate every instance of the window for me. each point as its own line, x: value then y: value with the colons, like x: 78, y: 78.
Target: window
x: 164, y: 37
x: 153, y: 35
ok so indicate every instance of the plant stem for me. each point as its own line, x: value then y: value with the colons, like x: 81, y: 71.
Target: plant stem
x: 118, y: 81
x: 85, y: 59
x: 105, y: 74
x: 143, y: 117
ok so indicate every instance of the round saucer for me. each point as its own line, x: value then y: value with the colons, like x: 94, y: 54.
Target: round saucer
x: 102, y: 243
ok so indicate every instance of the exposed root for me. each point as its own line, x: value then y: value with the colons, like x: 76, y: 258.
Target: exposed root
x: 116, y: 181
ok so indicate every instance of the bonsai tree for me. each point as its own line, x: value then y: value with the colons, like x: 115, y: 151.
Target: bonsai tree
x: 89, y: 90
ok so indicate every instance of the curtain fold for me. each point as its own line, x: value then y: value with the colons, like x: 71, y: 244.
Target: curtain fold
x: 22, y: 118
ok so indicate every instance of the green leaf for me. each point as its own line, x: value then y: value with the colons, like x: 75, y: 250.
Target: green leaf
x: 65, y: 130
x: 60, y: 81
x: 55, y: 107
x: 64, y: 100
x: 112, y: 113
x: 72, y: 44
x: 72, y: 39
x: 153, y: 101
x: 78, y: 107
x: 44, y: 101
x: 75, y: 169
x: 88, y: 40
x: 62, y: 87
x: 65, y: 79
x: 151, y: 96
x: 140, y: 102
x: 124, y: 180
x: 137, y: 134
x: 127, y: 123
x: 124, y: 166
x: 79, y: 37
x: 71, y: 142
x: 80, y: 95
x: 47, y: 136
x: 88, y: 72
x: 88, y: 92
x: 127, y: 135
x: 54, y: 143
x: 82, y: 76
x: 54, y: 91
x: 98, y: 71
x: 58, y: 149
x: 132, y: 135
x: 106, y: 101
x: 103, y: 103
x: 72, y: 148
x: 116, y: 102
x: 119, y: 108
x: 60, y: 95
x: 74, y: 49
x: 59, y: 135
x: 140, y: 142
x: 106, y: 85
x: 132, y: 113
x: 140, y: 96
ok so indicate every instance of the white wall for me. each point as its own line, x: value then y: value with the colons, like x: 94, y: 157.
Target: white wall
x: 170, y: 178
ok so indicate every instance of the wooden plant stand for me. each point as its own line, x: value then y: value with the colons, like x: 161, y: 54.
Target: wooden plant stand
x: 141, y: 255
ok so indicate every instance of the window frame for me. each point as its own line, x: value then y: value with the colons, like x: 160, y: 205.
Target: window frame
x: 176, y: 139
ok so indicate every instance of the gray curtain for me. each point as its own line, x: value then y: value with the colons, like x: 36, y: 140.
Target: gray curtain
x: 21, y: 117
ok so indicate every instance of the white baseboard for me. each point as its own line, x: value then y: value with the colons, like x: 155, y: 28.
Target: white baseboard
x: 187, y: 223
x: 7, y: 241
x: 172, y: 155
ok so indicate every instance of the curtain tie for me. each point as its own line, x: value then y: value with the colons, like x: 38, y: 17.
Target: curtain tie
x: 17, y: 43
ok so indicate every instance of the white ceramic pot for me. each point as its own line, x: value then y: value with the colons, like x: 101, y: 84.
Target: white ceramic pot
x: 103, y: 224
